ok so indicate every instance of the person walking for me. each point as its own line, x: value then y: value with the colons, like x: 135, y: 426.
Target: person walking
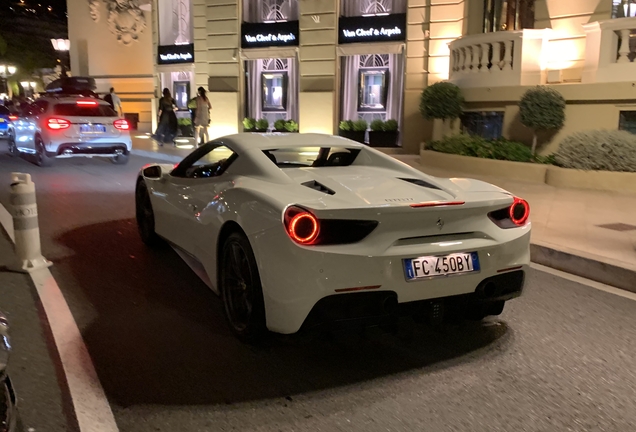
x: 202, y: 117
x: 168, y: 125
x: 114, y: 101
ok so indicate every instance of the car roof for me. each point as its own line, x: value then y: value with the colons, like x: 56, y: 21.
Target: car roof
x: 269, y: 141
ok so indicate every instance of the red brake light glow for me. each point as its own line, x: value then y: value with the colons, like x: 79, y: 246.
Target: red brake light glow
x: 438, y: 204
x: 519, y: 211
x: 13, y: 117
x: 58, y: 124
x: 302, y: 226
x: 121, y: 124
x: 87, y: 103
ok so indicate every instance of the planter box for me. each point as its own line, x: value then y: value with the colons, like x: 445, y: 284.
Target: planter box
x: 357, y: 136
x: 186, y: 131
x: 383, y: 139
x: 592, y: 180
x: 531, y: 173
x: 528, y: 172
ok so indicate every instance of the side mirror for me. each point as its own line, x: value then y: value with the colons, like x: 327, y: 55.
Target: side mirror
x: 152, y: 172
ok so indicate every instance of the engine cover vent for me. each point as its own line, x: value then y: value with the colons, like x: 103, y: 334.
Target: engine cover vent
x: 313, y: 184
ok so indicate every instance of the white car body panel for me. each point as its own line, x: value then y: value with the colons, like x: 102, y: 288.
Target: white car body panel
x: 254, y: 193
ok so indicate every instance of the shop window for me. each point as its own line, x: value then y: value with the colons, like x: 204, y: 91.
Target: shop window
x: 274, y: 95
x: 627, y: 121
x: 268, y: 11
x: 350, y: 8
x: 502, y: 15
x: 488, y: 125
x: 623, y: 8
x: 181, y: 92
x: 373, y: 89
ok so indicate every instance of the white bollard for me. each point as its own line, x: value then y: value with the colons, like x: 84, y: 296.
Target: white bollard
x: 25, y: 225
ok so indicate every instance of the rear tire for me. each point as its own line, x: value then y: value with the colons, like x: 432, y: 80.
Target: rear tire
x: 13, y: 149
x: 241, y: 290
x: 42, y: 159
x: 146, y: 217
x: 120, y: 159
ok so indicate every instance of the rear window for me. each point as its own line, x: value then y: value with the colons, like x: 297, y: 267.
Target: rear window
x: 299, y: 157
x: 4, y: 110
x: 73, y: 109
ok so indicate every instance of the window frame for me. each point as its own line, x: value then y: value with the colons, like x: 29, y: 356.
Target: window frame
x: 285, y: 76
x: 484, y: 115
x: 181, y: 170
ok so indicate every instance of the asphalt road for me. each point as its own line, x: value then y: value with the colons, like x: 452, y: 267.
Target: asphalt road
x: 561, y: 358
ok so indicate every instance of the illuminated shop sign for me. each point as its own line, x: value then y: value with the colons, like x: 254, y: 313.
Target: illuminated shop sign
x: 174, y: 54
x: 259, y: 35
x: 382, y: 28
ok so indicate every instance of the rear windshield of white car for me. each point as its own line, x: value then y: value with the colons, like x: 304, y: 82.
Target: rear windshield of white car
x: 75, y: 110
x: 301, y: 157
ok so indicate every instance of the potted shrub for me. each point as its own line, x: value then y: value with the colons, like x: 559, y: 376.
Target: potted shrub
x: 279, y: 125
x: 291, y: 126
x: 383, y: 134
x: 185, y: 126
x: 359, y: 130
x: 262, y: 125
x: 249, y: 124
x: 345, y: 128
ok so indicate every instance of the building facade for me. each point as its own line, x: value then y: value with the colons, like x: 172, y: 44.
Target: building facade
x: 322, y: 61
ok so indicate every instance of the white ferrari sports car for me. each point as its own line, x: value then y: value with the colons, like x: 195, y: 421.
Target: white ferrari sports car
x: 299, y: 230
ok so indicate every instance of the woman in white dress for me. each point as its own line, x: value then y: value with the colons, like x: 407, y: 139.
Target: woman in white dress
x: 202, y: 119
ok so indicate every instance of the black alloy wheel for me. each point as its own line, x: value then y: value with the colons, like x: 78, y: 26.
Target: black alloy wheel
x: 241, y: 289
x: 145, y: 216
x: 41, y: 158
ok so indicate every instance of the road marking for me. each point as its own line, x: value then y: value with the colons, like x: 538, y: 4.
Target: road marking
x: 92, y: 410
x: 587, y: 282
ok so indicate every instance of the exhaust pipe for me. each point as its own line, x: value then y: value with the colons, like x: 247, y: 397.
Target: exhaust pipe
x: 67, y: 152
x: 487, y: 290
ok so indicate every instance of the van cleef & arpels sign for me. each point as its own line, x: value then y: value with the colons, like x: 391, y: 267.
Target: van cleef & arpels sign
x: 378, y: 28
x: 276, y: 34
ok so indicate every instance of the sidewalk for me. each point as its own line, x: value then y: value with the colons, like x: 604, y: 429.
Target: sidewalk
x: 587, y: 233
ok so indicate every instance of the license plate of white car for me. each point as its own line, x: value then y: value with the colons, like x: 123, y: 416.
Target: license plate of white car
x: 88, y: 128
x: 445, y: 265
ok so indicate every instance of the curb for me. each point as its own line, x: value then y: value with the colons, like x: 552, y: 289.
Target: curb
x: 156, y: 155
x: 589, y: 268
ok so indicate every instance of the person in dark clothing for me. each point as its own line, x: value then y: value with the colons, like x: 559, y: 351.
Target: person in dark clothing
x: 168, y: 126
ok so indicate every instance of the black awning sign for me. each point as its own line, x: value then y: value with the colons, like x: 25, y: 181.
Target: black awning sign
x: 381, y: 28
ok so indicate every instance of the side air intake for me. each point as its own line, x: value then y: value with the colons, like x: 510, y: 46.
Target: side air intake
x: 313, y: 184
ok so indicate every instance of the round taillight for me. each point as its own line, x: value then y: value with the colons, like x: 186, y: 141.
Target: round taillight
x: 519, y: 211
x: 302, y: 226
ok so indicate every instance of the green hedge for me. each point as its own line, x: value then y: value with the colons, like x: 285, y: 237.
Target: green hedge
x: 599, y: 150
x: 475, y: 146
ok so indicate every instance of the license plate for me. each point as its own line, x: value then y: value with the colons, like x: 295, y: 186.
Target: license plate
x: 86, y: 128
x: 445, y: 265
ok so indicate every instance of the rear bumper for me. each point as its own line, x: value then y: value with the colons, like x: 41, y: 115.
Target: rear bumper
x: 296, y: 279
x: 89, y: 149
x: 369, y: 308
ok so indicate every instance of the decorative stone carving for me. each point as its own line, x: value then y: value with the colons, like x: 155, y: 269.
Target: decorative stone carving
x: 126, y: 19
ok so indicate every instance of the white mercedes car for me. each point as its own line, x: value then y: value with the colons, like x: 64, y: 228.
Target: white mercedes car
x: 299, y: 230
x: 70, y: 126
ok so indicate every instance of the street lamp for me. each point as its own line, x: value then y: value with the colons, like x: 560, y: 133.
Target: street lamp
x: 5, y: 71
x: 62, y: 46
